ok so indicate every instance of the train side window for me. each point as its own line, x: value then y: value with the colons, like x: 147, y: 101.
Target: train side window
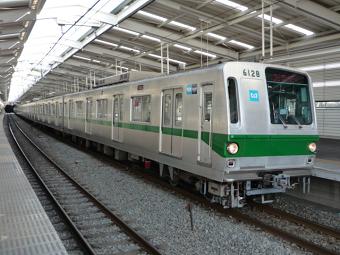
x: 61, y: 109
x: 233, y: 105
x: 207, y: 106
x: 179, y: 109
x: 141, y: 108
x: 121, y: 105
x: 71, y: 109
x: 52, y: 109
x: 65, y: 109
x: 79, y: 109
x: 102, y: 108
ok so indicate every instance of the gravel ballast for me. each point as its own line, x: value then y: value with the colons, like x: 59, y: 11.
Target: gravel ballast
x: 318, y: 213
x: 160, y: 215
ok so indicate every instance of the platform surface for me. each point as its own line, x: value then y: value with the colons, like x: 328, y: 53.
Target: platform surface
x: 327, y: 163
x: 24, y: 226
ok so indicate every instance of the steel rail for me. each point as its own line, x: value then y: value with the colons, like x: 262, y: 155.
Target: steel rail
x: 116, y: 219
x: 85, y: 245
x: 297, y: 219
x: 238, y: 215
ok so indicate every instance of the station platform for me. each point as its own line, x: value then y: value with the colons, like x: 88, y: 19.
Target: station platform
x: 24, y: 226
x: 327, y: 164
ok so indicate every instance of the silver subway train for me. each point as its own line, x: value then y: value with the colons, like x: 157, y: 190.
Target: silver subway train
x: 233, y: 130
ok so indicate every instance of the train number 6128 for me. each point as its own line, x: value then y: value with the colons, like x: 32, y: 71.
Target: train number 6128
x: 251, y: 73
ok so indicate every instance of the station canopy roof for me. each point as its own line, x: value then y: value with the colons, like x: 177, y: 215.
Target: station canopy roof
x: 79, y: 41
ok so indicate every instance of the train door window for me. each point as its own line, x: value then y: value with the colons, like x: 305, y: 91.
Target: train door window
x: 65, y: 109
x: 121, y: 104
x: 71, y: 109
x: 89, y: 109
x: 207, y: 106
x: 233, y: 104
x: 178, y: 109
x: 141, y: 108
x: 79, y: 109
x: 60, y: 109
x: 167, y: 109
x: 56, y: 109
x: 52, y: 105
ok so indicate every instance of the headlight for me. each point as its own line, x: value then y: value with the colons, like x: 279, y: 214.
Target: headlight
x: 312, y: 147
x: 232, y: 148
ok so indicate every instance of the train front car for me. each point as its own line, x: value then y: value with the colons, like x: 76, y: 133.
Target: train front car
x: 272, y: 130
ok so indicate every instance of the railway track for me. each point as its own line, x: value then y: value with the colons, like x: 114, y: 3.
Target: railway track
x: 241, y: 216
x: 96, y: 227
x: 297, y: 219
x: 72, y: 244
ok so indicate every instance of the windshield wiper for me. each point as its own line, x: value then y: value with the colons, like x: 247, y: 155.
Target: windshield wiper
x: 282, y: 121
x: 297, y: 121
x: 280, y: 118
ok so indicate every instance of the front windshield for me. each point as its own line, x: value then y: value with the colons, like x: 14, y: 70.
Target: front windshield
x: 289, y: 99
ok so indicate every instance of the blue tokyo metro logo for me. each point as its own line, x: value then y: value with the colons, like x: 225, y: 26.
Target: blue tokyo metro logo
x: 253, y: 96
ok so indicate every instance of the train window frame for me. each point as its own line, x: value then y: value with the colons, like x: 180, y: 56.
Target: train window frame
x: 284, y: 118
x: 207, y: 112
x: 79, y: 111
x: 142, y: 116
x: 178, y: 113
x: 167, y: 111
x: 71, y: 111
x: 100, y: 105
x: 236, y: 99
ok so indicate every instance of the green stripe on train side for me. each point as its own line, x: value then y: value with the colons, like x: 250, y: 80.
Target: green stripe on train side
x: 249, y: 145
x: 265, y: 145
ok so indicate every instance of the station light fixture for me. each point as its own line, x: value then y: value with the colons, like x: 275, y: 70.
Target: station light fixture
x: 22, y: 16
x: 182, y: 25
x: 162, y: 19
x: 321, y: 67
x: 126, y: 31
x: 216, y: 36
x: 327, y: 83
x: 244, y: 45
x: 170, y: 59
x: 10, y: 60
x: 129, y: 49
x: 106, y: 43
x: 152, y: 16
x: 82, y: 58
x: 210, y: 55
x: 151, y: 38
x: 299, y: 29
x: 233, y: 5
x: 182, y: 47
x: 273, y: 19
x: 5, y: 36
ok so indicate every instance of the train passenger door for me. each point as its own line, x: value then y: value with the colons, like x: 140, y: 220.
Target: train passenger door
x: 88, y: 115
x: 171, y: 131
x: 70, y: 113
x: 117, y: 117
x: 205, y: 125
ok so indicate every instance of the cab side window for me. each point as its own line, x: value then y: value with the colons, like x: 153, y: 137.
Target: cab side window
x: 233, y: 104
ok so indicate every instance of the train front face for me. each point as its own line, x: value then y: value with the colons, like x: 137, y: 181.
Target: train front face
x: 272, y: 127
